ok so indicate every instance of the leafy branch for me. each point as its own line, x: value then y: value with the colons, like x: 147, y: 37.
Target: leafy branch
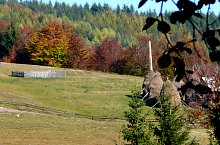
x: 187, y: 11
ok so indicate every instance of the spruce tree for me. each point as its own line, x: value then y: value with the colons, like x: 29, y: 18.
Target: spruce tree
x: 136, y: 131
x: 170, y: 129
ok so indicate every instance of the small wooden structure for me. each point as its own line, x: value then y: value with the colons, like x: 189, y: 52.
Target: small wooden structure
x: 39, y: 74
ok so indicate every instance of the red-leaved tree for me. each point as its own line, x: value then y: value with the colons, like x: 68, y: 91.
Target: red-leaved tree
x: 79, y: 55
x: 137, y: 56
x: 108, y: 53
x: 19, y: 53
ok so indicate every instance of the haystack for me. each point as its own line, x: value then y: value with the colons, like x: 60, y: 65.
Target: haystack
x: 155, y: 86
x: 171, y: 90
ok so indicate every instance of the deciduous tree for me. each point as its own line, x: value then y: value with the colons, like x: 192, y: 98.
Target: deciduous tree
x: 109, y: 52
x: 19, y: 52
x: 7, y: 39
x: 79, y: 56
x: 49, y: 45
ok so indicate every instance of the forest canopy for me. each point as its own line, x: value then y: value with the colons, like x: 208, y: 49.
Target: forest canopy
x: 98, y: 32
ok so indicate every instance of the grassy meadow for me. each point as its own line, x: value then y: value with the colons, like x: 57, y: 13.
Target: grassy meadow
x: 32, y: 129
x: 84, y: 92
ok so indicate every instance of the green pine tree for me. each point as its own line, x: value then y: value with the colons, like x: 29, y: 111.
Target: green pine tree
x: 170, y: 129
x: 136, y: 131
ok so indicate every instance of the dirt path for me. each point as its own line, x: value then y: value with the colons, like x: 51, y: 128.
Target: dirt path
x: 3, y: 109
x: 8, y: 110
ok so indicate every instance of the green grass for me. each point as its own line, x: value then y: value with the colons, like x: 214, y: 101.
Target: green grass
x: 85, y: 92
x: 31, y: 129
x: 38, y: 129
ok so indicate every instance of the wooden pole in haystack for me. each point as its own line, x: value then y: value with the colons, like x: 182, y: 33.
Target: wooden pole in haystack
x: 150, y: 57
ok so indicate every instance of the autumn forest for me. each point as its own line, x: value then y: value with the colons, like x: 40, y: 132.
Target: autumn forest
x: 89, y: 37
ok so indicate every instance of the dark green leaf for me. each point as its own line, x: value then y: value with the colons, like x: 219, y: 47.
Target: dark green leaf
x: 163, y: 27
x: 179, y: 68
x: 213, y: 48
x: 218, y: 56
x: 178, y: 62
x: 157, y: 1
x: 174, y: 17
x: 180, y: 16
x: 204, y: 2
x: 142, y: 2
x: 190, y: 7
x: 208, y: 33
x: 180, y: 4
x: 164, y: 61
x: 212, y: 42
x: 189, y: 71
x: 213, y: 56
x: 207, y: 2
x: 180, y: 44
x: 179, y: 75
x: 186, y: 5
x: 198, y: 15
x: 149, y: 22
x: 188, y: 50
x: 200, y: 4
x: 194, y: 40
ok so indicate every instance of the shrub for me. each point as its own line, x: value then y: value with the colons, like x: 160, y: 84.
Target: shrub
x: 215, y: 122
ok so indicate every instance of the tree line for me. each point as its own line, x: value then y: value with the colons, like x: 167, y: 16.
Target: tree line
x: 94, y: 37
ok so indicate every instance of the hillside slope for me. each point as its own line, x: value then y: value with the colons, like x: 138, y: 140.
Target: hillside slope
x: 85, y: 92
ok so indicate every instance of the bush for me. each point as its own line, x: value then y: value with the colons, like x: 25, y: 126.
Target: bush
x: 215, y: 122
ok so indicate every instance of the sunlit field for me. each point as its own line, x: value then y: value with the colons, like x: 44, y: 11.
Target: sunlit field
x: 82, y: 92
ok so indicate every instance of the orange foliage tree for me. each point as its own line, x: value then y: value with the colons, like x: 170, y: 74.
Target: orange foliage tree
x: 79, y: 56
x: 49, y: 45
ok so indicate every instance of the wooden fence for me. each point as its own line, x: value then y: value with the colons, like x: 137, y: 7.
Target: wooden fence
x: 39, y: 74
x: 192, y: 120
x: 40, y: 109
